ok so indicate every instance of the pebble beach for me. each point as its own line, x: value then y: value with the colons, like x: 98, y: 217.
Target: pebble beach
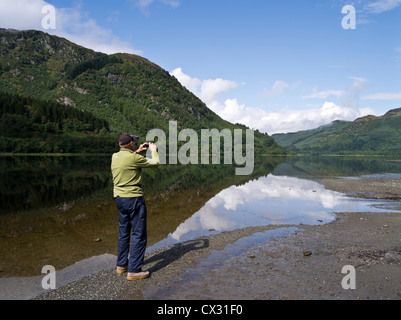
x: 303, y: 262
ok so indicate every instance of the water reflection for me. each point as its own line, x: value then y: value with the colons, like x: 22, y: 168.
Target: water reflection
x: 341, y: 166
x: 37, y: 228
x: 32, y: 182
x: 53, y: 208
x: 278, y: 200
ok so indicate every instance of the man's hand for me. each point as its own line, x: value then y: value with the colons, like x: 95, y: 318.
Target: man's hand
x: 152, y: 147
x: 142, y: 148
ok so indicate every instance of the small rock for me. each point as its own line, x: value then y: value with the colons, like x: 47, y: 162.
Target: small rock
x: 307, y: 253
x: 97, y: 240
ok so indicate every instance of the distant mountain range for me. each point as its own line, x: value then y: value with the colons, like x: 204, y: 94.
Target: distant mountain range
x: 115, y: 93
x: 370, y: 135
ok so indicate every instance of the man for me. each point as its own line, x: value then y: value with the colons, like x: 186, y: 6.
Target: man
x: 126, y: 167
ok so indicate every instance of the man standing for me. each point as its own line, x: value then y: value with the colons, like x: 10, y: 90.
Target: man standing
x: 126, y: 167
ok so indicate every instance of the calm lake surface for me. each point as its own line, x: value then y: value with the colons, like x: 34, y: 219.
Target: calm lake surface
x: 59, y: 210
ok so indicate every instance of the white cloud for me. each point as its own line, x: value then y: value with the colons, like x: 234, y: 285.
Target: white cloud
x: 281, y: 121
x: 325, y: 94
x: 382, y: 6
x: 367, y: 9
x: 21, y: 14
x: 145, y: 4
x: 206, y: 90
x: 383, y: 96
x: 277, y: 89
x: 172, y: 3
x: 284, y: 121
x: 357, y: 83
x: 354, y: 88
x: 398, y: 55
x: 71, y: 23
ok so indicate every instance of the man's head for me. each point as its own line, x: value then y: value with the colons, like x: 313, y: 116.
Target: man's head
x: 127, y: 141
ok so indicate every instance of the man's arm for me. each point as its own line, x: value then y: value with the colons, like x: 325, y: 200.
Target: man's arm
x: 146, y: 162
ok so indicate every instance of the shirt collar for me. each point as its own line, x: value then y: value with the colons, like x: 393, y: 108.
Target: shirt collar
x: 127, y: 150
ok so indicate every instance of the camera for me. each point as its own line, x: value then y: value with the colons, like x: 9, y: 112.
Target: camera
x: 146, y: 145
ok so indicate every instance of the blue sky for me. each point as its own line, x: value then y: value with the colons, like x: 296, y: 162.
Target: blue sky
x: 276, y: 66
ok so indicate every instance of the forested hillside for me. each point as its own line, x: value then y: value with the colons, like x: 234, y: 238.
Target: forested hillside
x: 128, y: 92
x: 370, y: 135
x: 32, y: 125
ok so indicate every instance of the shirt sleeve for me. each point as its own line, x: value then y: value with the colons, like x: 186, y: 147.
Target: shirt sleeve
x: 144, y: 162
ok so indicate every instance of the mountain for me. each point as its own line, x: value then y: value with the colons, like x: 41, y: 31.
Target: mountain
x: 29, y: 125
x: 370, y: 135
x: 128, y: 92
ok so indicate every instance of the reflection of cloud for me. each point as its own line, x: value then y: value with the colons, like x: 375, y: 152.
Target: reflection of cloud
x: 206, y: 219
x: 276, y: 187
x: 269, y: 200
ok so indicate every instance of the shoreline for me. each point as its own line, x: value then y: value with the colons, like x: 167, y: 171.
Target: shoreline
x: 274, y: 268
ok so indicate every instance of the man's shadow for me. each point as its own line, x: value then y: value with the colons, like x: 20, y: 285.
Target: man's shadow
x: 167, y: 257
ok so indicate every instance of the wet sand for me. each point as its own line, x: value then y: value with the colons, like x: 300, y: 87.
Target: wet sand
x: 261, y: 263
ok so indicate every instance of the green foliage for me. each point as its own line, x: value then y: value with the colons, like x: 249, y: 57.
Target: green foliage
x: 75, y: 69
x: 368, y: 135
x: 127, y: 91
x: 29, y: 125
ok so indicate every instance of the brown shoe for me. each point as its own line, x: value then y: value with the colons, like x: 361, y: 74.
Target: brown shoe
x: 139, y: 275
x: 122, y: 269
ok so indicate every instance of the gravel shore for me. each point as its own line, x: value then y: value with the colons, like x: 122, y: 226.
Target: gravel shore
x: 272, y: 262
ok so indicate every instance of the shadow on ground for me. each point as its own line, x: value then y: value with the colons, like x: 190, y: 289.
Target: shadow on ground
x: 167, y: 257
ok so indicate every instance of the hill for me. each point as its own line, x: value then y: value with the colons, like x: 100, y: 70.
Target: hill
x: 370, y: 135
x: 127, y: 91
x: 29, y: 125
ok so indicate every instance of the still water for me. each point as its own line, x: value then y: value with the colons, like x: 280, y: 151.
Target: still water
x: 59, y: 210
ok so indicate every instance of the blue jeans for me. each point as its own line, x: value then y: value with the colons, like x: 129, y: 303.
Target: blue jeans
x: 132, y: 223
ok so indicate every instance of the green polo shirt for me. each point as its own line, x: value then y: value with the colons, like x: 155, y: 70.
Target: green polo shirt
x: 126, y: 168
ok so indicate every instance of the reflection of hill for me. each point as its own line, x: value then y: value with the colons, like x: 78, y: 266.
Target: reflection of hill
x: 181, y: 177
x: 336, y: 166
x: 62, y: 236
x: 37, y: 182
